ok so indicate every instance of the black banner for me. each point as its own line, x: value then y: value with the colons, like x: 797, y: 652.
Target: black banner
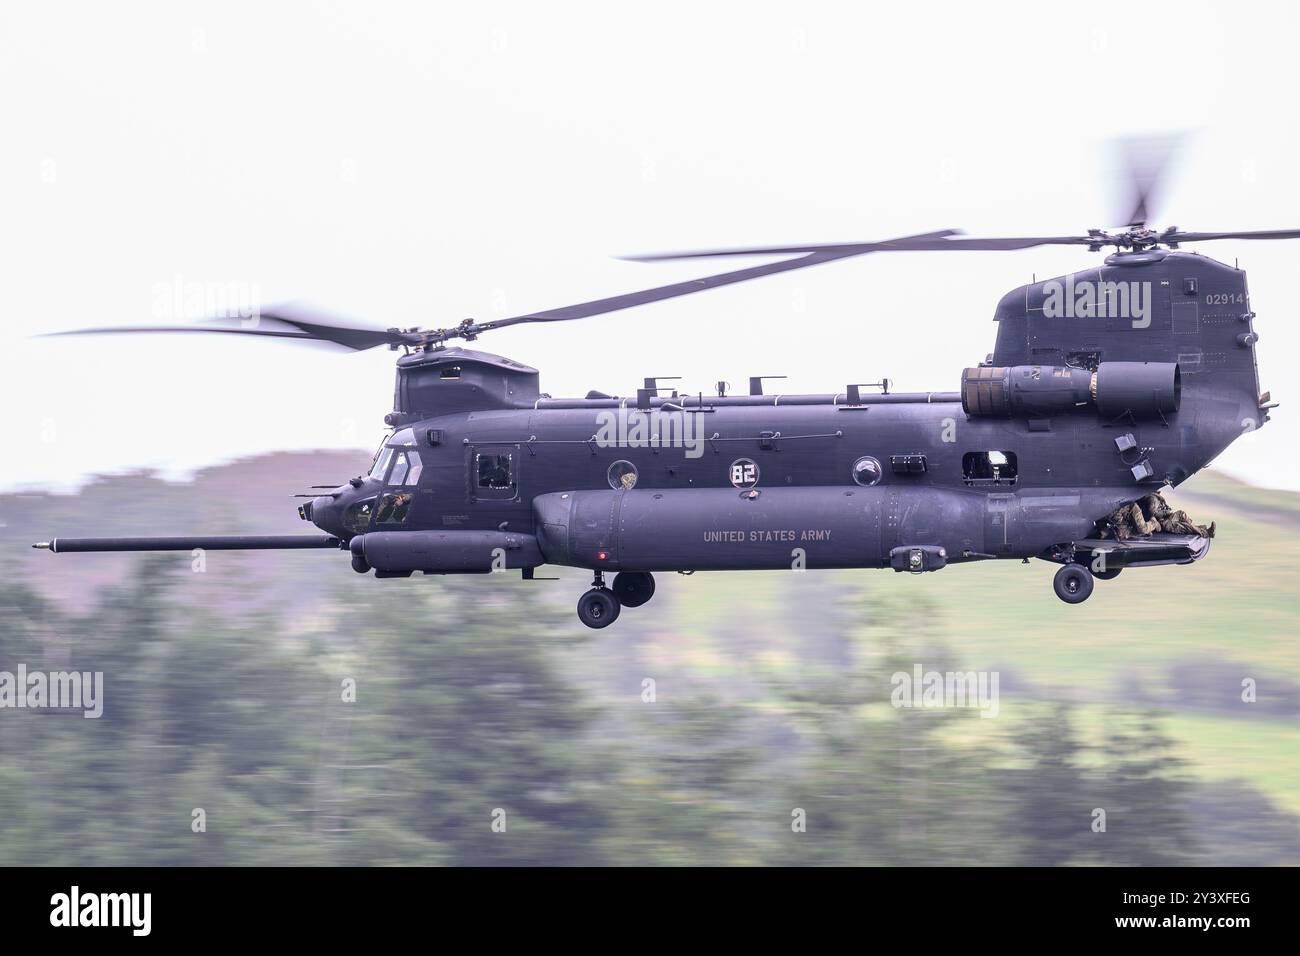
x: 332, y: 905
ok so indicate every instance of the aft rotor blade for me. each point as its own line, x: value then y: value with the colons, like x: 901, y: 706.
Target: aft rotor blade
x: 921, y: 241
x: 285, y: 322
x: 1146, y: 160
x: 616, y: 303
x: 1176, y: 236
x: 931, y: 242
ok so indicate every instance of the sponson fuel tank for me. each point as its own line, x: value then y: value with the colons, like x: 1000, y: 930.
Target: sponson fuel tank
x: 443, y: 552
x: 719, y: 529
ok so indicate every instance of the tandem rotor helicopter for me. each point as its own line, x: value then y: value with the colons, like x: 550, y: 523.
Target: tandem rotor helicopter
x: 1103, y: 387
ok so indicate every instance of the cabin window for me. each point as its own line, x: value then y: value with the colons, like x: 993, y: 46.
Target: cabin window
x: 495, y: 471
x: 994, y: 467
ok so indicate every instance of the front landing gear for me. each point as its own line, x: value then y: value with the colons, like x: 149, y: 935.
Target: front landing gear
x: 1073, y: 583
x: 598, y: 607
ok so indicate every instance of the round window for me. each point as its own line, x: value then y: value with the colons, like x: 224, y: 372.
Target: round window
x: 621, y: 475
x: 866, y: 471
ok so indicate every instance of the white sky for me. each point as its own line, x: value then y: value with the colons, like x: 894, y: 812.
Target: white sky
x: 415, y: 164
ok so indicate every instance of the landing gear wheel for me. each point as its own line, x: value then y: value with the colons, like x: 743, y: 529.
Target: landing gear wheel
x: 598, y: 608
x: 634, y: 588
x: 1110, y: 574
x: 1073, y: 583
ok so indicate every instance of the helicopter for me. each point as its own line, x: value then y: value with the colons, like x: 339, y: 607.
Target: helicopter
x: 1103, y: 387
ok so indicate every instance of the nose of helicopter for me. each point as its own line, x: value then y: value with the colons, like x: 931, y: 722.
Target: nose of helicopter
x: 328, y: 511
x: 324, y: 512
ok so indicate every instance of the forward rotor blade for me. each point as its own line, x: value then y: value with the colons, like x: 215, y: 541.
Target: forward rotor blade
x: 1010, y: 243
x: 616, y: 303
x: 286, y: 322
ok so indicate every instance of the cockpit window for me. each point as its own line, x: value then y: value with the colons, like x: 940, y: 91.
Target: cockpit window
x: 382, y: 461
x: 398, y: 447
x: 393, y: 508
x: 406, y: 467
x: 399, y: 470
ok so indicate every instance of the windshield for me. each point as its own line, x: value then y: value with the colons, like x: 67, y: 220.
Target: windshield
x: 382, y: 461
x: 390, y: 446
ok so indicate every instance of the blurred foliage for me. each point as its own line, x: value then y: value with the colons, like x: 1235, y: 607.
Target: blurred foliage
x: 461, y: 713
x: 319, y: 717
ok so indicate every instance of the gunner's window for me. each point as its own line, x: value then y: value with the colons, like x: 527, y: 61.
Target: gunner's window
x: 995, y: 467
x: 495, y: 472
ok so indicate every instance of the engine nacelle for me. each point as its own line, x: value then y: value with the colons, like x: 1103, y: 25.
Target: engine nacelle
x: 1143, y: 389
x: 1147, y: 389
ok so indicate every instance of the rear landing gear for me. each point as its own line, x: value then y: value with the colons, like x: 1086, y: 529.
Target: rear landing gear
x: 1073, y: 583
x: 634, y: 588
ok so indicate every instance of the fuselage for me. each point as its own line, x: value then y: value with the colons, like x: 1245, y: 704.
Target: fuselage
x: 869, y: 472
